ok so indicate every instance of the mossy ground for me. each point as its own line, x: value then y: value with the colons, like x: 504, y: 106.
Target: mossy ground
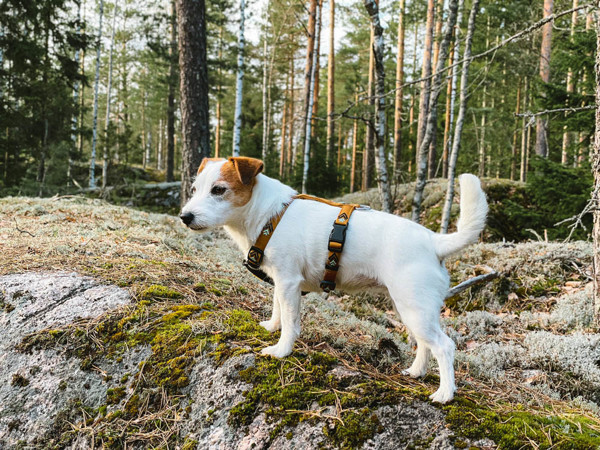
x: 192, y: 299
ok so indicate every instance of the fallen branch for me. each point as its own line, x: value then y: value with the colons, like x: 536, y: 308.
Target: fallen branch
x: 484, y: 278
x: 22, y: 231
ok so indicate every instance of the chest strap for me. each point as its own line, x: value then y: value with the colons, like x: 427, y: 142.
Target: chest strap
x: 337, y: 238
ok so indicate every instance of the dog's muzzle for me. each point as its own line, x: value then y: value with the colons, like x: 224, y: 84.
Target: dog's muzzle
x: 187, y: 218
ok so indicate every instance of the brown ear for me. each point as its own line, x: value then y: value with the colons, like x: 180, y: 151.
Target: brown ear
x: 246, y: 168
x: 205, y: 161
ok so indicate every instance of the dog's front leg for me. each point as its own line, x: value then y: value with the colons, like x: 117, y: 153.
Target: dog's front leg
x: 288, y: 294
x: 275, y: 323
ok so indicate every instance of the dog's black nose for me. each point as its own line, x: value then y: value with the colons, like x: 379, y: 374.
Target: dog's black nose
x: 187, y: 218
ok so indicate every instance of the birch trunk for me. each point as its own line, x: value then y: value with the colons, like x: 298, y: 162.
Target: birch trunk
x: 481, y: 170
x: 264, y: 100
x: 330, y: 84
x: 432, y: 117
x: 399, y: 93
x: 566, y: 140
x: 284, y: 128
x: 291, y: 148
x: 513, y: 161
x: 432, y: 157
x: 541, y: 129
x: 354, y: 147
x: 308, y: 72
x: 426, y: 73
x: 237, y: 121
x: 76, y: 88
x: 108, y: 99
x: 368, y: 153
x: 460, y: 119
x: 96, y: 84
x: 524, y: 136
x: 380, y: 120
x: 307, y: 133
x: 317, y: 87
x: 596, y: 192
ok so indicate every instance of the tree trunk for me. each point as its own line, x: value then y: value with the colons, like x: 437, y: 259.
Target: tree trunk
x: 265, y: 132
x: 191, y: 18
x: 330, y: 84
x: 339, y: 144
x: 307, y: 132
x: 426, y: 73
x: 291, y: 156
x: 380, y: 120
x: 399, y: 93
x: 239, y: 89
x: 354, y: 147
x: 524, y: 136
x: 596, y: 192
x: 481, y: 171
x: 76, y: 89
x: 284, y: 126
x: 108, y: 99
x: 317, y: 88
x: 308, y: 71
x: 541, y: 133
x: 170, y: 176
x: 460, y: 119
x: 566, y: 140
x: 369, y: 151
x: 513, y: 160
x: 96, y: 84
x: 432, y: 157
x: 432, y: 117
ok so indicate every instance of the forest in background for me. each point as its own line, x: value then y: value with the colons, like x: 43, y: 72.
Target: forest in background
x: 49, y: 52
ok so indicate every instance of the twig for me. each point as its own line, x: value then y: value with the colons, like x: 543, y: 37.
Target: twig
x: 550, y: 111
x: 484, y: 278
x: 22, y: 231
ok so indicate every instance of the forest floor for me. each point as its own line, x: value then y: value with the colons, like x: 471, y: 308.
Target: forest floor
x: 528, y: 355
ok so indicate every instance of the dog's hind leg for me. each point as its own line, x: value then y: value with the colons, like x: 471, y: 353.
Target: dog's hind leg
x: 288, y: 294
x: 419, y: 366
x: 274, y: 323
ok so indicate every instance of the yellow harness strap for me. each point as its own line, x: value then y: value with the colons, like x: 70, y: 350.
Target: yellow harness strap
x: 337, y: 238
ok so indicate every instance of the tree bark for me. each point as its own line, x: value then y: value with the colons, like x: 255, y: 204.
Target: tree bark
x: 524, y: 136
x: 566, y: 140
x: 354, y: 147
x: 432, y: 117
x: 108, y: 99
x: 76, y: 89
x: 191, y: 18
x: 307, y: 133
x: 291, y: 157
x: 399, y: 93
x: 596, y: 192
x: 541, y: 133
x: 317, y: 88
x: 513, y: 161
x: 170, y: 175
x: 432, y: 157
x: 96, y: 84
x: 239, y: 90
x: 460, y: 119
x: 308, y: 71
x: 380, y: 120
x: 330, y: 83
x: 284, y: 126
x: 369, y: 151
x: 265, y: 131
x: 426, y: 73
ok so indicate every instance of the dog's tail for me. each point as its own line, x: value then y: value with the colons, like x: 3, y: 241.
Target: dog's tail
x: 473, y: 210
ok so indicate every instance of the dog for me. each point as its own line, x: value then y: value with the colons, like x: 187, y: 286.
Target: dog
x: 383, y: 252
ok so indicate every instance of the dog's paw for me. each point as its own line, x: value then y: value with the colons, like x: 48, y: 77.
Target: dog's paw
x: 270, y: 326
x: 276, y: 351
x: 414, y: 373
x: 442, y: 396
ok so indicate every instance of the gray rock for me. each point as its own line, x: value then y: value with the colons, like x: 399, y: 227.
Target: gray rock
x: 36, y: 387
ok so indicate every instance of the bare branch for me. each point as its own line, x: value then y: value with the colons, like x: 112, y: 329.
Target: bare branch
x: 484, y: 278
x: 22, y: 231
x: 550, y: 111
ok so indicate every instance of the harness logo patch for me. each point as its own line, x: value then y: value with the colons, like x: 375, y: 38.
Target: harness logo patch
x: 342, y: 218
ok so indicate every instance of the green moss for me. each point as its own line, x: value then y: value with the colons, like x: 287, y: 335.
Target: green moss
x: 19, y: 380
x: 517, y: 429
x: 358, y: 426
x: 189, y: 444
x: 114, y: 395
x: 157, y: 291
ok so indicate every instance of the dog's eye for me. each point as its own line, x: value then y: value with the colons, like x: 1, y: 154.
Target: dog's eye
x: 193, y: 190
x: 218, y: 190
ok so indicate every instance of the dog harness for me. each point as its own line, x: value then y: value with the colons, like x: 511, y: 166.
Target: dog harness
x: 337, y: 238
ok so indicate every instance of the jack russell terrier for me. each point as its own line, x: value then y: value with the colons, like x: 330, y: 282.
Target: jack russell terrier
x: 382, y: 252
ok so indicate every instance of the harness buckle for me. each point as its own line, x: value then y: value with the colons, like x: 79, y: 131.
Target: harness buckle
x: 337, y: 237
x: 255, y: 257
x: 327, y: 286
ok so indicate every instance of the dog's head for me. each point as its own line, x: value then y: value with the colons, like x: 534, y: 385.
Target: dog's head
x: 221, y: 187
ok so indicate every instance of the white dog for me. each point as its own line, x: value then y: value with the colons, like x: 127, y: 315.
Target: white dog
x: 382, y: 252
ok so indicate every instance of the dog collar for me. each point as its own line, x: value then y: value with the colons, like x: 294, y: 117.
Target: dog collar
x: 337, y: 238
